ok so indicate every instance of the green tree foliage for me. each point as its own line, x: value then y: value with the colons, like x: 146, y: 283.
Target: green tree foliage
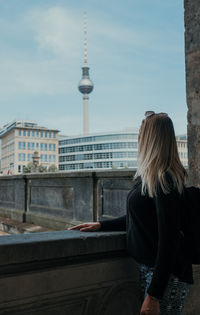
x: 52, y: 168
x: 42, y: 168
x: 28, y: 168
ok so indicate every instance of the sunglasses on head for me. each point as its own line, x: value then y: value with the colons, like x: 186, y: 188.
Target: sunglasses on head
x: 150, y: 112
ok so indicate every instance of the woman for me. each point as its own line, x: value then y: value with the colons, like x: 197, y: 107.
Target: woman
x: 154, y: 219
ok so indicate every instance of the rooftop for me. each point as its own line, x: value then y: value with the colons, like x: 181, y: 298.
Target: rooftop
x: 26, y: 124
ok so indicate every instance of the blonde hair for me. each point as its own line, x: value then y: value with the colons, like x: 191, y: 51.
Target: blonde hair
x: 158, y: 156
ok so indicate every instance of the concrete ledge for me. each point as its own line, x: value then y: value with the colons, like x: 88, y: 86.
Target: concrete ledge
x: 67, y: 272
x: 23, y: 248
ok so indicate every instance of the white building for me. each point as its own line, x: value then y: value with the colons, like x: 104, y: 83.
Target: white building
x: 98, y: 151
x: 182, y: 149
x: 20, y: 139
x: 114, y: 150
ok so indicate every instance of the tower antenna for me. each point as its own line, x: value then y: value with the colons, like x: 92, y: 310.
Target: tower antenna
x: 85, y: 85
x: 85, y: 37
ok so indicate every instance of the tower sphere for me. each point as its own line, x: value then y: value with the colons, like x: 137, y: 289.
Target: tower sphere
x: 85, y: 85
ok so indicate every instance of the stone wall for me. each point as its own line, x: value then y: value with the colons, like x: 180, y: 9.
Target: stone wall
x: 192, y: 56
x: 68, y: 272
x: 192, y: 53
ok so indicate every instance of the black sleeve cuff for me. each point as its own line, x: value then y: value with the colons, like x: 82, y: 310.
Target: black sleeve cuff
x: 117, y: 224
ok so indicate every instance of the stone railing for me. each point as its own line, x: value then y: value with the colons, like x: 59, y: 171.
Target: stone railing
x: 58, y: 200
x: 70, y: 272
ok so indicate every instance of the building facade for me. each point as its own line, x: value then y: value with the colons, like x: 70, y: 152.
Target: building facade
x: 105, y: 151
x: 20, y: 139
x: 182, y: 149
x: 98, y: 151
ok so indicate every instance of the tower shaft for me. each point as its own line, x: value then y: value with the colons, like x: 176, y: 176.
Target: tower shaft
x: 85, y: 119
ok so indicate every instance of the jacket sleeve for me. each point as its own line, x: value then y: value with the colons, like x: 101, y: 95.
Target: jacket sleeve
x: 168, y: 207
x: 117, y: 224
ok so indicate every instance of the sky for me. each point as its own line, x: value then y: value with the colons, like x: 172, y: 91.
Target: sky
x: 135, y: 55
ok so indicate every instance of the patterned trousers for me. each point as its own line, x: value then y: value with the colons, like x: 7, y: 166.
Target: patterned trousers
x: 175, y: 293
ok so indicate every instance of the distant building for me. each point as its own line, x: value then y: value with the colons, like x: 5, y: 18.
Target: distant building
x: 105, y: 151
x: 20, y: 139
x: 98, y: 151
x: 182, y: 149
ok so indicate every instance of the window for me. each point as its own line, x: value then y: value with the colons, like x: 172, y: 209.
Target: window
x: 45, y: 134
x: 19, y: 132
x: 50, y: 145
x: 19, y: 156
x: 41, y: 134
x: 41, y: 157
x: 37, y: 145
x: 33, y: 133
x: 37, y: 133
x: 45, y: 146
x: 19, y: 145
x: 50, y: 157
x: 28, y: 157
x: 49, y: 134
x: 32, y: 145
x: 41, y: 146
x: 45, y: 157
x: 29, y: 145
x: 19, y: 168
x: 28, y: 133
x: 24, y: 145
x: 54, y: 158
x: 24, y: 132
x: 23, y: 157
x: 54, y: 134
x: 54, y: 147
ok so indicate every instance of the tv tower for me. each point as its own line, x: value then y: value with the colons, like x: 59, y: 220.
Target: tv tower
x: 85, y: 85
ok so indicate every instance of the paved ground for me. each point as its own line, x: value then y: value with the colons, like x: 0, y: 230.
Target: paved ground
x: 9, y: 226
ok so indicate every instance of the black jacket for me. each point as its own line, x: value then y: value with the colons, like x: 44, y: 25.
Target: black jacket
x: 153, y: 235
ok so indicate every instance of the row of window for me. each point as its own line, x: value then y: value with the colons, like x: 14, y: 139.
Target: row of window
x: 95, y: 165
x: 97, y: 156
x: 183, y: 155
x: 33, y: 146
x: 43, y: 157
x: 101, y: 146
x: 33, y: 133
x: 182, y: 145
x: 99, y: 138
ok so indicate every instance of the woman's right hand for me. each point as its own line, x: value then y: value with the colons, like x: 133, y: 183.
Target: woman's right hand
x: 87, y: 227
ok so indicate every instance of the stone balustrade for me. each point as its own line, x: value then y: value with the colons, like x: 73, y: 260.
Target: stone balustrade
x: 70, y: 272
x: 58, y: 200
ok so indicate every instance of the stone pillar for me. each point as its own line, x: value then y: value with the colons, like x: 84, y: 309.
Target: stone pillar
x: 192, y: 54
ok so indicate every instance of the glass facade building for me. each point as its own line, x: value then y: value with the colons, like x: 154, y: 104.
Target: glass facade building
x: 98, y: 151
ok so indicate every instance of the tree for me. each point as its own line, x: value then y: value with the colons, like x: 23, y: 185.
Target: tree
x: 42, y: 168
x: 28, y: 168
x: 52, y: 168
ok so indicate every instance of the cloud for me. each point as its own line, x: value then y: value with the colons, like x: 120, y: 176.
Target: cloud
x: 56, y: 29
x: 60, y: 31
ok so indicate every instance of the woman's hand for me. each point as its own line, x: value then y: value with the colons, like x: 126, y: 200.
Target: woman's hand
x: 87, y: 227
x: 150, y: 306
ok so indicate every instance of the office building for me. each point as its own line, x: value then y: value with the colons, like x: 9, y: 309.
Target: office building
x: 20, y: 139
x: 98, y: 151
x: 182, y: 149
